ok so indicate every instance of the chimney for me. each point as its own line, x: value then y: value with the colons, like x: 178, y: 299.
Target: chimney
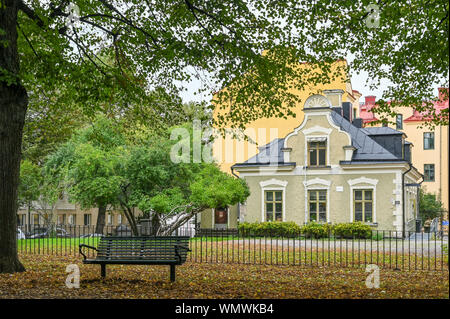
x: 358, y: 122
x: 370, y: 99
x: 347, y: 111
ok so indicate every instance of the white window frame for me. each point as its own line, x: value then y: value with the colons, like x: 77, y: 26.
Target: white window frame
x: 273, y: 185
x: 370, y: 184
x: 317, y: 184
x: 309, y: 137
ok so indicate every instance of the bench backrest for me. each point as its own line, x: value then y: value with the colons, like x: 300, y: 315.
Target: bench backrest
x: 161, y: 248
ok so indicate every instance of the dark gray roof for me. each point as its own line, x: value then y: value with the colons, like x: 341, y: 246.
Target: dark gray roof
x: 381, y: 131
x: 268, y: 154
x: 367, y: 149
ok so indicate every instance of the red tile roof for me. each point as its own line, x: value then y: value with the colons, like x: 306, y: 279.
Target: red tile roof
x: 440, y: 104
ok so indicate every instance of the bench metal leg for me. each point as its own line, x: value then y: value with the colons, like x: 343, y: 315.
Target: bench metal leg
x: 103, y: 270
x: 172, y: 272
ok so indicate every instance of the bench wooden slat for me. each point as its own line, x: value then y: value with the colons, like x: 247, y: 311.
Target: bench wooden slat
x: 163, y: 250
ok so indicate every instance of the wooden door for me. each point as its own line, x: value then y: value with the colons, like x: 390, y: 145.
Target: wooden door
x: 221, y: 216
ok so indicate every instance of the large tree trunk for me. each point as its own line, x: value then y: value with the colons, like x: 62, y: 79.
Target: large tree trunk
x: 13, y: 105
x: 100, y: 220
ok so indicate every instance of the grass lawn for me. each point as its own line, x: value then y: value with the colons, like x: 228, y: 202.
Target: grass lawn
x: 61, y: 246
x: 45, y: 278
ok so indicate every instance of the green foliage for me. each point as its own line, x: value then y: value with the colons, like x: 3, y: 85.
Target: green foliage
x: 35, y: 184
x: 89, y: 164
x: 162, y: 203
x: 269, y: 229
x: 107, y: 61
x: 352, y: 230
x: 429, y: 206
x: 94, y: 177
x: 377, y: 235
x: 309, y: 230
x: 100, y: 167
x: 316, y: 230
x: 29, y: 184
x: 213, y: 188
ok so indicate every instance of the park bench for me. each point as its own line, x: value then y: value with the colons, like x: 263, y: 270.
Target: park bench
x: 149, y: 250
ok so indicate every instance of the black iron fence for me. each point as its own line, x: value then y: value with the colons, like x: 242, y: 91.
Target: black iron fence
x: 387, y: 249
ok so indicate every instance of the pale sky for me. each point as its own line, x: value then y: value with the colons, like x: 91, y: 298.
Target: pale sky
x: 358, y: 83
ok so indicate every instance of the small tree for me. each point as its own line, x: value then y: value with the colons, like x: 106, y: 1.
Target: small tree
x: 171, y: 193
x: 429, y: 206
x: 87, y: 166
x: 38, y: 191
x: 208, y: 188
x: 29, y: 184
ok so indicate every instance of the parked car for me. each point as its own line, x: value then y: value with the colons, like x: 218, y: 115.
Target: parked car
x: 123, y: 231
x: 35, y: 231
x: 45, y: 232
x: 20, y: 234
x: 92, y: 235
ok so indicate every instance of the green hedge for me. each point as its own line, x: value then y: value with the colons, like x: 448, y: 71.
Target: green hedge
x: 269, y: 229
x: 316, y: 230
x: 310, y: 230
x: 352, y: 230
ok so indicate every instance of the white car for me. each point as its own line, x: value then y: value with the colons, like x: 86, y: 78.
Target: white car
x: 92, y: 235
x: 20, y: 234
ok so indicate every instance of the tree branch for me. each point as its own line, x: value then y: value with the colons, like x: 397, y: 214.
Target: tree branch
x: 28, y: 41
x: 127, y: 21
x: 30, y: 13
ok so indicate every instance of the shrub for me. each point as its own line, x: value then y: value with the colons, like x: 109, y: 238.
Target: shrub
x: 316, y: 230
x: 310, y: 230
x: 377, y: 235
x: 352, y: 230
x: 244, y: 228
x: 269, y: 229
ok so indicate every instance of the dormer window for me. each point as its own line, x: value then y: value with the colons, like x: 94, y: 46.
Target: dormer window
x: 317, y: 153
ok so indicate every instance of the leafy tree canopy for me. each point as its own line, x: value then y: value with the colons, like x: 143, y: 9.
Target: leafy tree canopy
x: 100, y: 167
x: 37, y: 191
x: 117, y: 51
x: 87, y: 164
x: 30, y: 181
x: 429, y: 206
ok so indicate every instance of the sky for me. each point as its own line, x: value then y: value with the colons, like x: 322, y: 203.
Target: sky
x: 358, y: 83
